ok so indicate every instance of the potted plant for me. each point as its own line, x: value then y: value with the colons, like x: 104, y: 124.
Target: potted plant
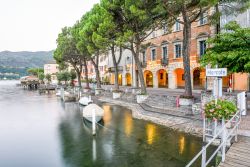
x: 186, y: 100
x: 117, y: 94
x: 215, y: 112
x: 222, y: 109
x: 140, y: 98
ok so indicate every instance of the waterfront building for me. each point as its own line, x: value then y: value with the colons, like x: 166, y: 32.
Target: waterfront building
x: 51, y: 68
x: 162, y: 60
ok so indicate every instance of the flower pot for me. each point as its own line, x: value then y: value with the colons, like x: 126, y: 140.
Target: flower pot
x: 117, y: 95
x: 186, y: 101
x: 141, y: 98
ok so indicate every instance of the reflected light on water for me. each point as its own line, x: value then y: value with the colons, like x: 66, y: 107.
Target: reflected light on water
x: 107, y: 114
x: 94, y: 149
x: 150, y: 133
x: 128, y: 124
x: 181, y: 144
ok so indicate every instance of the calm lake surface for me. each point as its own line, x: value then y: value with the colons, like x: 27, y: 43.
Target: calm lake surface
x: 41, y: 131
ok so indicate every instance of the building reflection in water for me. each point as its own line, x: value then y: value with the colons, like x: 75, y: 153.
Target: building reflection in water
x: 151, y: 133
x: 107, y: 114
x: 181, y: 144
x: 128, y: 124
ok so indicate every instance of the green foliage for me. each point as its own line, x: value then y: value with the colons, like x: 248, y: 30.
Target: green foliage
x: 230, y: 49
x: 48, y: 77
x: 72, y: 75
x: 35, y: 71
x: 41, y: 76
x: 223, y: 109
x: 63, y: 76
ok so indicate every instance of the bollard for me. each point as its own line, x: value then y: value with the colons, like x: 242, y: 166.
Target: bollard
x: 177, y: 101
x: 93, y: 123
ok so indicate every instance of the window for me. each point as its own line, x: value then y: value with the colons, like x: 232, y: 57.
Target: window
x: 177, y: 26
x: 153, y: 34
x: 203, y: 18
x: 143, y: 56
x: 177, y: 50
x: 153, y: 54
x: 202, y: 47
x: 164, y: 52
x: 165, y: 28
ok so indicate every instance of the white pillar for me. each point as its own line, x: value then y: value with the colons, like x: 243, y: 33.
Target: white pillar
x: 172, y: 80
x: 155, y: 80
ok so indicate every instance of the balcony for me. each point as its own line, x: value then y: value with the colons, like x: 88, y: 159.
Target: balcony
x: 164, y: 62
x: 143, y: 64
x: 112, y: 69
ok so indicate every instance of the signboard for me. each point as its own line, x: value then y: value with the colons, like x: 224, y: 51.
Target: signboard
x: 216, y: 72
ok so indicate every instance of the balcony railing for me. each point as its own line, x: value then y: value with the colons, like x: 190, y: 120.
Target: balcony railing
x: 112, y: 69
x: 164, y: 62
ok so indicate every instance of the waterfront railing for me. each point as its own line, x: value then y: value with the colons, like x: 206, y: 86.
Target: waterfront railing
x: 228, y: 129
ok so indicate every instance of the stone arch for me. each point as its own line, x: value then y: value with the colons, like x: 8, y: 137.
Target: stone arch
x: 148, y: 76
x: 179, y: 77
x: 162, y: 76
x: 199, y: 78
x: 120, y: 79
x: 128, y: 79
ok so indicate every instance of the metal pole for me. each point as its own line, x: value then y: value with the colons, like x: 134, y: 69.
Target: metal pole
x: 203, y: 158
x: 93, y: 123
x: 223, y: 151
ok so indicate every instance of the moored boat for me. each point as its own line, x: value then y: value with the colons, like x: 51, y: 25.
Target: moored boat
x: 87, y: 112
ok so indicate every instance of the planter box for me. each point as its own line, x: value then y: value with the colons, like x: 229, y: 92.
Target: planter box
x: 98, y: 91
x: 141, y: 98
x: 186, y: 102
x: 117, y: 95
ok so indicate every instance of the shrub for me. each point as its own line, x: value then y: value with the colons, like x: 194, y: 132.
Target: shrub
x: 223, y: 109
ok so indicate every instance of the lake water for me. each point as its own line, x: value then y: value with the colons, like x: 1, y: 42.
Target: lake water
x: 41, y: 131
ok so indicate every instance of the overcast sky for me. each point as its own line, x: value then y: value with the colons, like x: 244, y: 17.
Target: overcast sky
x: 33, y: 25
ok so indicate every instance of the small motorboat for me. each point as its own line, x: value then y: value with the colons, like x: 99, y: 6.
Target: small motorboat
x: 87, y: 112
x: 85, y: 100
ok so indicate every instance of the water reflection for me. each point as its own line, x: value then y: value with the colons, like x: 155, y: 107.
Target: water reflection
x: 43, y: 131
x: 181, y: 144
x: 128, y: 122
x: 150, y: 133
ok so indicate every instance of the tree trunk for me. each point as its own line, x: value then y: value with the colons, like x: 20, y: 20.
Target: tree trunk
x: 186, y: 55
x: 138, y: 65
x: 86, y: 72
x: 97, y: 72
x: 115, y: 67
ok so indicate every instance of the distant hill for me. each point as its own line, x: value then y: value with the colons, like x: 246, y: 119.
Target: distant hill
x: 25, y: 59
x: 19, y: 62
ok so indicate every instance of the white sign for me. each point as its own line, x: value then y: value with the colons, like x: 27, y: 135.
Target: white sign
x: 216, y: 72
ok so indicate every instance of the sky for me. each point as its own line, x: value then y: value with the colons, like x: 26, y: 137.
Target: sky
x: 33, y: 25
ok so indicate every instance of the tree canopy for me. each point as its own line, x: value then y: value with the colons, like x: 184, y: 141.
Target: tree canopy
x: 230, y: 49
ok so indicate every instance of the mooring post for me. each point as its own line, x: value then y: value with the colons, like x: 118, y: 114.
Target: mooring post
x: 93, y: 123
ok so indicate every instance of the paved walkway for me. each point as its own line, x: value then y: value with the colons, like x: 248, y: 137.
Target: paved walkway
x: 238, y: 154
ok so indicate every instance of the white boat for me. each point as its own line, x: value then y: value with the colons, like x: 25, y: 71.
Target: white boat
x: 87, y: 112
x: 85, y: 100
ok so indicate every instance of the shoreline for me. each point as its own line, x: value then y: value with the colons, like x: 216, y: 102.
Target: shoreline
x: 188, y: 126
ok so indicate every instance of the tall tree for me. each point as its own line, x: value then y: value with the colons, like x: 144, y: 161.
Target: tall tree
x: 89, y: 24
x: 186, y: 12
x: 230, y: 49
x: 107, y: 34
x: 67, y: 51
x: 139, y: 20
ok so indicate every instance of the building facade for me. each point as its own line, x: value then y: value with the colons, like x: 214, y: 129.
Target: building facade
x: 51, y: 68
